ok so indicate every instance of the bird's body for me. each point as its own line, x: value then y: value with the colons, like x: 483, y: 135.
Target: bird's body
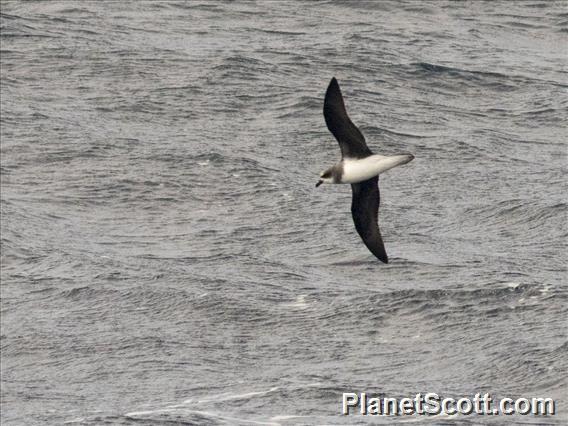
x: 357, y: 170
x: 358, y: 167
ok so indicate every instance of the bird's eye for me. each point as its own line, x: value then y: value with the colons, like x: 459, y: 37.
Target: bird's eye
x: 325, y: 175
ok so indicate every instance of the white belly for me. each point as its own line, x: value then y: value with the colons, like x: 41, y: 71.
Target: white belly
x: 359, y: 170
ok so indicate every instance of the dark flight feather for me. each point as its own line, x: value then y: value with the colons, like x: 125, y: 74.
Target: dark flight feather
x: 365, y: 211
x: 351, y: 140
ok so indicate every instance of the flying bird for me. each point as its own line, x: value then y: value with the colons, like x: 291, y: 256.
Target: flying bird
x: 358, y: 167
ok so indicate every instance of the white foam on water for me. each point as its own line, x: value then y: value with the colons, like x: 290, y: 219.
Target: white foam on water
x: 299, y: 303
x: 287, y: 417
x: 77, y: 420
x: 182, y: 411
x: 230, y: 397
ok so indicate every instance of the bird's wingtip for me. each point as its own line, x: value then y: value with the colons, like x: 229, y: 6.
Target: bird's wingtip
x: 333, y: 87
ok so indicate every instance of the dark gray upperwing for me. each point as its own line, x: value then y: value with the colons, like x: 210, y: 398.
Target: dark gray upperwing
x: 365, y: 211
x: 351, y: 140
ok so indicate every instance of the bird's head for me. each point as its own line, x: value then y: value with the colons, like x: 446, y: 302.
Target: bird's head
x: 325, y: 177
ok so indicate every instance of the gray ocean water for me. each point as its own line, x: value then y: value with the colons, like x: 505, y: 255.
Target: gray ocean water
x: 166, y: 258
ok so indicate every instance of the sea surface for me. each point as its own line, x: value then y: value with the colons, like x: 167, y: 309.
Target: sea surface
x: 167, y: 259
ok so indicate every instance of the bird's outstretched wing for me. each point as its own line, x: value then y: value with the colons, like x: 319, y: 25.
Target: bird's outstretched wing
x: 365, y: 211
x: 351, y: 140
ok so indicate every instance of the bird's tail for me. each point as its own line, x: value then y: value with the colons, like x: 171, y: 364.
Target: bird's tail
x: 388, y: 163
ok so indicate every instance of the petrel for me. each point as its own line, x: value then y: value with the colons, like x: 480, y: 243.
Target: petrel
x: 358, y: 167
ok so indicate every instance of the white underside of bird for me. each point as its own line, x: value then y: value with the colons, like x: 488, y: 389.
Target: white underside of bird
x: 358, y: 170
